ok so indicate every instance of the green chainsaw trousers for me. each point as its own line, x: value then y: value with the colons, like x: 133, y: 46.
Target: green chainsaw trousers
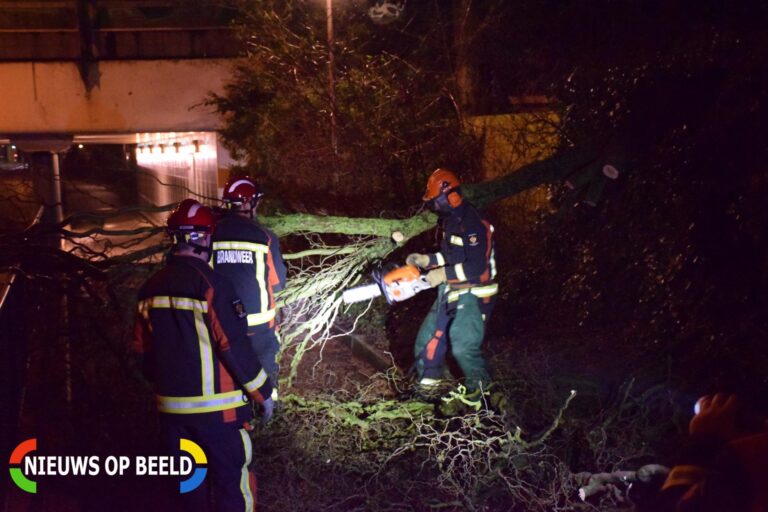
x: 457, y: 318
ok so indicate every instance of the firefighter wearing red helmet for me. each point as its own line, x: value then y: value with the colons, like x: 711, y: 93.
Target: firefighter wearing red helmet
x: 190, y: 224
x: 191, y: 336
x: 249, y: 255
x: 464, y: 270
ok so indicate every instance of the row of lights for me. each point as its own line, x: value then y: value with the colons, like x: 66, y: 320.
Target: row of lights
x: 177, y: 145
x: 150, y: 148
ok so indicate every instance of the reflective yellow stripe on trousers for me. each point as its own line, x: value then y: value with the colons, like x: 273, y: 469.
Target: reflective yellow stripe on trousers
x: 245, y: 484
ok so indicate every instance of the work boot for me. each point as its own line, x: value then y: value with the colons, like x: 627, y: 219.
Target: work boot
x: 429, y: 390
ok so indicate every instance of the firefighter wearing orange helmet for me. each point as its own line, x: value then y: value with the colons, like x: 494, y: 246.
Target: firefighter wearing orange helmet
x: 464, y: 270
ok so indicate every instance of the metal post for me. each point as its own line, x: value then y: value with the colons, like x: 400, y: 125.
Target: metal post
x: 67, y: 352
x: 56, y: 187
x: 331, y: 74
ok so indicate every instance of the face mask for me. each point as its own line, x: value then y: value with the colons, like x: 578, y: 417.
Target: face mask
x: 440, y: 205
x: 199, y: 249
x: 190, y: 240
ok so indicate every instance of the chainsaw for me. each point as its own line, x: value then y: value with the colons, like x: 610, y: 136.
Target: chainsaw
x: 396, y: 285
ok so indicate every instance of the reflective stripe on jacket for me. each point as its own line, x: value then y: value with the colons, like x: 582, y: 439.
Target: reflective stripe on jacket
x: 467, y: 249
x: 249, y: 255
x: 191, y: 333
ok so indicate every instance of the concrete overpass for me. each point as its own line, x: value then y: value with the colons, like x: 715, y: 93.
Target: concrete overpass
x: 133, y: 72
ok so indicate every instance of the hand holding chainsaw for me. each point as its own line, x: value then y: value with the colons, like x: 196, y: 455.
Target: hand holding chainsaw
x: 396, y: 285
x: 419, y: 260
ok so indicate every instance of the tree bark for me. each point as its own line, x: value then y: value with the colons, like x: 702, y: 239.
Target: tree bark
x: 298, y: 223
x: 578, y: 161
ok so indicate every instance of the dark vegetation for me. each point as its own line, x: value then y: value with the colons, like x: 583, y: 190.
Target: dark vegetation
x: 642, y: 293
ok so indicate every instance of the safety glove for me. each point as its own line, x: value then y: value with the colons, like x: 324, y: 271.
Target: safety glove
x: 267, y: 408
x: 420, y: 260
x: 436, y: 277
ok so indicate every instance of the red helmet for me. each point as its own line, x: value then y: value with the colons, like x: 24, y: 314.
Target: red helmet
x: 239, y: 191
x: 443, y: 182
x: 191, y: 217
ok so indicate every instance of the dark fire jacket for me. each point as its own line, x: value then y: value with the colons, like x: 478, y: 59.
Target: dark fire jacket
x: 190, y: 330
x: 249, y: 255
x: 466, y: 248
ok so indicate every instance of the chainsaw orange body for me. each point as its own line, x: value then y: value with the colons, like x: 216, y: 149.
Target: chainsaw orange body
x: 397, y: 285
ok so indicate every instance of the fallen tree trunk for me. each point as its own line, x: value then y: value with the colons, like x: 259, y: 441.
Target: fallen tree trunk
x: 600, y: 482
x: 322, y: 272
x: 577, y: 161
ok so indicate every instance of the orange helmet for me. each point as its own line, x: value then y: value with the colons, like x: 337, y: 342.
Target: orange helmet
x: 443, y: 182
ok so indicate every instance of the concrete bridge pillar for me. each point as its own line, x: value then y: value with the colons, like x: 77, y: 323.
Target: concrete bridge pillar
x: 58, y: 211
x: 47, y: 150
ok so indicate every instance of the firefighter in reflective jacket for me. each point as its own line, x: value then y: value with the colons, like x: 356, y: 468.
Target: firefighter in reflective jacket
x: 464, y: 269
x: 249, y: 255
x: 190, y: 333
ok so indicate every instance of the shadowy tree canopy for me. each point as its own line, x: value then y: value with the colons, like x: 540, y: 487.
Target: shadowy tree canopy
x: 672, y: 94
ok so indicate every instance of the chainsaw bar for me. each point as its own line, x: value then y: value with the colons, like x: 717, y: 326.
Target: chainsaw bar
x: 361, y: 293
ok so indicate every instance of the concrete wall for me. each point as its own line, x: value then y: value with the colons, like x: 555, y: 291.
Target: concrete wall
x: 131, y: 96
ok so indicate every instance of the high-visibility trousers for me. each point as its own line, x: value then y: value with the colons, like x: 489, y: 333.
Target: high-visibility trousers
x: 230, y: 483
x: 457, y: 318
